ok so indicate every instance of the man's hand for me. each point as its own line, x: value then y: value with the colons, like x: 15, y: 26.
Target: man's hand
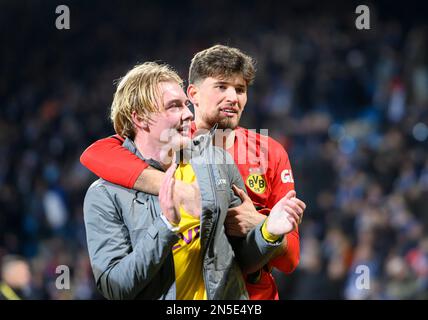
x: 286, y: 215
x: 188, y: 196
x: 241, y: 219
x: 166, y: 197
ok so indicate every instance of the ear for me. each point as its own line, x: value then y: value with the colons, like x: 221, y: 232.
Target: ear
x: 193, y: 94
x: 139, y: 122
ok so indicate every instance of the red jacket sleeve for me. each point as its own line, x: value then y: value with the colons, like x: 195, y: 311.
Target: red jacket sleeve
x: 112, y: 162
x: 282, y: 183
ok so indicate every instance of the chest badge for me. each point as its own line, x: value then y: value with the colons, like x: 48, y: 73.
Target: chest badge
x: 256, y: 182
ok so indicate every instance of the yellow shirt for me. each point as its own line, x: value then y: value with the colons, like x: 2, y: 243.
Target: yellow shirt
x: 187, y: 251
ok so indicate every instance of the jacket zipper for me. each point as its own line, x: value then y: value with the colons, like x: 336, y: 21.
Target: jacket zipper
x: 215, y: 218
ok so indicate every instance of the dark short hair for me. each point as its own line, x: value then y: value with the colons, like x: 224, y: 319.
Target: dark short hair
x: 221, y: 61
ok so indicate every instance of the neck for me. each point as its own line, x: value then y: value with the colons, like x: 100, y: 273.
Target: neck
x: 223, y: 138
x: 201, y: 125
x: 153, y: 149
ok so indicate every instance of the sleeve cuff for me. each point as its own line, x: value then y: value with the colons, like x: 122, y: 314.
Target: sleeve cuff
x: 173, y: 228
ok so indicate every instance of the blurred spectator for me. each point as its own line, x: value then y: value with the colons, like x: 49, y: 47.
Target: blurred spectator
x: 15, y: 278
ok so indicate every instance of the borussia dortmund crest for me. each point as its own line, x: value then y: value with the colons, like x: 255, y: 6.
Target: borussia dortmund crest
x: 256, y: 182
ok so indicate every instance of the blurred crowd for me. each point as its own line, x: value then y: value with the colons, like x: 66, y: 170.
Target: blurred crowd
x: 350, y: 106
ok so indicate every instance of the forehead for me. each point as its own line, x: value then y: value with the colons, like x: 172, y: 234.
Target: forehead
x: 235, y: 79
x: 171, y: 91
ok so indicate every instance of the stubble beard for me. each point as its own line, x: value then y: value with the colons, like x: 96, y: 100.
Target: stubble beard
x: 223, y: 123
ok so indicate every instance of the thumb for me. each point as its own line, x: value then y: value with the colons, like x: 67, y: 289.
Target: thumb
x: 291, y: 194
x: 169, y: 173
x: 240, y: 193
x: 172, y: 168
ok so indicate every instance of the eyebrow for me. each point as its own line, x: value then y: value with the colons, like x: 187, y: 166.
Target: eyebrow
x: 178, y: 101
x: 226, y: 82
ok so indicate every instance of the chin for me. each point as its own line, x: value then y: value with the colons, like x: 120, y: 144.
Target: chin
x: 228, y: 124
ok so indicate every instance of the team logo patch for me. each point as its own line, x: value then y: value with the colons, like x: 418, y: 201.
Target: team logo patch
x: 256, y: 182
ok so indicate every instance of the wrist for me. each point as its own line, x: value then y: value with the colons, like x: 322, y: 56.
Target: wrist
x: 269, y: 237
x: 260, y: 217
x: 174, y: 227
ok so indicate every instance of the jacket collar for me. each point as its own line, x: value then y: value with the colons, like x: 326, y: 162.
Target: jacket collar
x: 198, y: 144
x: 130, y: 145
x: 202, y: 141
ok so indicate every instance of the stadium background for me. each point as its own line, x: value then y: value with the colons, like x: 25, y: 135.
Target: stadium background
x: 350, y: 106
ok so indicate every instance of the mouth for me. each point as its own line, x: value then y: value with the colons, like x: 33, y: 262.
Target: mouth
x: 229, y: 111
x: 184, y: 131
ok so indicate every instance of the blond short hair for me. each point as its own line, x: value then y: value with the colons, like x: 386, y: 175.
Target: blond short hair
x: 138, y: 91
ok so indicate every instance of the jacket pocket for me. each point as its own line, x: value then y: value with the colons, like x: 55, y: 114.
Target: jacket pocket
x: 137, y: 234
x: 139, y: 216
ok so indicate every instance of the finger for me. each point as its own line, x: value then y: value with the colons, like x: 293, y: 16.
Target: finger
x: 292, y: 213
x: 295, y: 207
x: 295, y: 226
x: 295, y: 217
x: 230, y: 220
x: 169, y: 183
x: 163, y: 188
x: 231, y: 212
x: 171, y: 189
x: 300, y: 215
x: 286, y: 198
x: 230, y: 225
x: 240, y: 193
x: 282, y: 201
x: 173, y: 159
x: 299, y: 202
x: 293, y: 222
x: 166, y: 179
x: 290, y: 194
x: 233, y: 233
x: 171, y: 170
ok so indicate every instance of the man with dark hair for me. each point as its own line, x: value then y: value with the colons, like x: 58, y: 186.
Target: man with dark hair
x: 212, y: 71
x: 218, y: 82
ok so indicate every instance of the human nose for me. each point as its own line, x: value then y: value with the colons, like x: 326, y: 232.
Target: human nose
x: 231, y: 95
x: 187, y: 114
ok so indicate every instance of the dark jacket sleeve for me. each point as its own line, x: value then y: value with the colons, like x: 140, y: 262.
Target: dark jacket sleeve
x: 120, y: 270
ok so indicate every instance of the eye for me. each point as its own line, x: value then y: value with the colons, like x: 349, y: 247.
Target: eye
x: 240, y: 90
x: 222, y: 87
x: 173, y: 107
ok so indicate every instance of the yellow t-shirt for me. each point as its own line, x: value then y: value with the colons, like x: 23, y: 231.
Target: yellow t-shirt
x: 187, y: 251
